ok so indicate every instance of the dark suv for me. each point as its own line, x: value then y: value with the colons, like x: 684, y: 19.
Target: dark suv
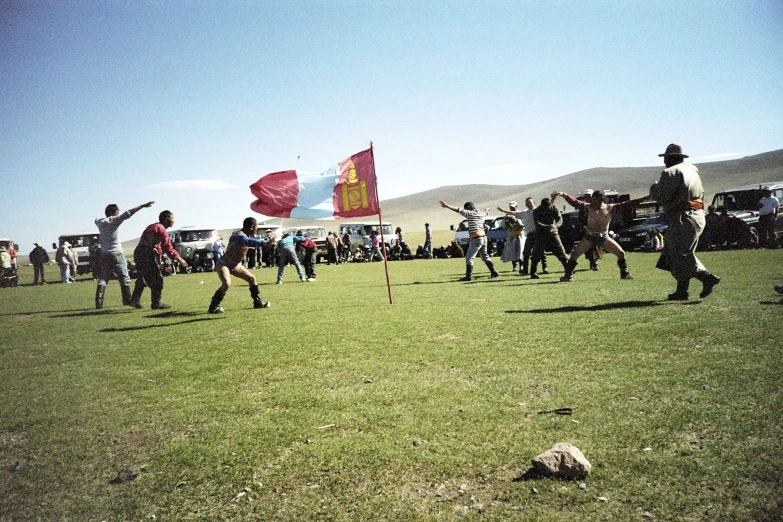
x: 634, y: 238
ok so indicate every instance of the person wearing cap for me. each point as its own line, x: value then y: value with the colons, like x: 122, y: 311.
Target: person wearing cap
x: 63, y: 259
x: 680, y: 191
x: 427, y: 246
x: 478, y: 238
x: 547, y: 219
x: 153, y: 243
x: 599, y: 216
x: 111, y: 259
x: 38, y: 258
x: 769, y: 206
x: 515, y: 243
x: 231, y: 262
x: 529, y: 228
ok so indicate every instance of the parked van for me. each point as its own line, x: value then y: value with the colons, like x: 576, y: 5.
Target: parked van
x: 194, y: 244
x: 80, y: 243
x: 318, y: 235
x: 7, y: 243
x: 359, y: 232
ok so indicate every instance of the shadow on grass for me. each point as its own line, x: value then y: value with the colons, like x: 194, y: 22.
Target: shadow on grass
x: 134, y: 328
x: 173, y: 313
x: 89, y: 312
x: 592, y: 308
x: 531, y: 474
x: 771, y: 302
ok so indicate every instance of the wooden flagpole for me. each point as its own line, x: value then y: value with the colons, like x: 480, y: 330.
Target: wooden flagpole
x: 380, y: 224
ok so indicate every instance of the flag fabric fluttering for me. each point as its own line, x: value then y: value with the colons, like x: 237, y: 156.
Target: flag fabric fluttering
x: 345, y: 190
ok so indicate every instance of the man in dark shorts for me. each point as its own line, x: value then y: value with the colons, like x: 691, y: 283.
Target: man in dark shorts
x: 599, y: 216
x: 231, y: 262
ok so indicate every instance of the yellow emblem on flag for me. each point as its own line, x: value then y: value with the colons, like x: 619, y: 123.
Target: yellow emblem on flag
x: 354, y: 192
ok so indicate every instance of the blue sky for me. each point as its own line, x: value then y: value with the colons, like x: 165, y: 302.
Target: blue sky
x: 189, y: 102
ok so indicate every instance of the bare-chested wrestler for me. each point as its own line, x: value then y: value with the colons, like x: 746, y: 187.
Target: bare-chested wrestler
x: 231, y: 262
x: 599, y: 215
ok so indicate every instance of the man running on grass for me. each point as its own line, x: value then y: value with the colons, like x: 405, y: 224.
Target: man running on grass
x: 599, y: 215
x: 238, y: 245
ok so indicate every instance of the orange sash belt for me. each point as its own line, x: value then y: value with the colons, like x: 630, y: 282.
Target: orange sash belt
x: 693, y: 204
x: 477, y: 233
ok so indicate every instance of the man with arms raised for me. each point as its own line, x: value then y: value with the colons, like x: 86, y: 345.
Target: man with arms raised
x: 112, y: 259
x: 680, y: 192
x: 599, y: 215
x: 478, y: 238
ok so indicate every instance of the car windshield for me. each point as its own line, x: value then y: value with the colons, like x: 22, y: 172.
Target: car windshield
x: 656, y: 219
x: 196, y: 235
x: 76, y: 241
x: 314, y: 232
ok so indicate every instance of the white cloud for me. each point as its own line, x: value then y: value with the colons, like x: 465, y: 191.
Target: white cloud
x: 193, y: 184
x: 718, y: 157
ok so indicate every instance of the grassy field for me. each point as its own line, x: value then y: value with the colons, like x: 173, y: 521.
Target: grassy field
x: 336, y: 405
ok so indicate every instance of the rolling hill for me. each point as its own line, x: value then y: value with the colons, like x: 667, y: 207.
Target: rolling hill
x: 411, y: 212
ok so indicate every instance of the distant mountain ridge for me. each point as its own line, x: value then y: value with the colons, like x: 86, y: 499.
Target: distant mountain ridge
x: 412, y: 211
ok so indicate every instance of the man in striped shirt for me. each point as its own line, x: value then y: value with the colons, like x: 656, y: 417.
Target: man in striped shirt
x: 478, y: 238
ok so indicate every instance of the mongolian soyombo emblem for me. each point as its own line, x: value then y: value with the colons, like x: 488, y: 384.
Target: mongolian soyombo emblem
x: 355, y: 191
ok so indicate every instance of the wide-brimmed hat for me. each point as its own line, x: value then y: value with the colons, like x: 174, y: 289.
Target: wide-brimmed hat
x: 513, y: 204
x: 67, y: 244
x: 674, y: 149
x: 37, y: 243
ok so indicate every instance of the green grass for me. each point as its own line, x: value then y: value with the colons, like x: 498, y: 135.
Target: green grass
x: 336, y: 405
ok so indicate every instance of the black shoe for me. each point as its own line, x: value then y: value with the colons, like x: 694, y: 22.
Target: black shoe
x: 523, y: 272
x: 466, y: 278
x: 708, y: 282
x: 215, y: 310
x: 678, y: 296
x: 626, y: 275
x: 261, y: 304
x: 160, y: 306
x: 493, y: 275
x: 545, y: 271
x: 534, y: 276
x: 135, y: 304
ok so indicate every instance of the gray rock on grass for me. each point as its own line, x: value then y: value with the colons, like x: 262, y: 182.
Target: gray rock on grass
x: 563, y: 460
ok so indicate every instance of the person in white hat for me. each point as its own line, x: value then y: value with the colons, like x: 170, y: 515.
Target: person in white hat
x: 680, y: 191
x: 515, y: 243
x: 63, y: 259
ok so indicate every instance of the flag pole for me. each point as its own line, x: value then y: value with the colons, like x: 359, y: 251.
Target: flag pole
x: 380, y: 225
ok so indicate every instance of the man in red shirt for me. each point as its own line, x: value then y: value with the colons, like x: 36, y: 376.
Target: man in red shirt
x: 154, y: 242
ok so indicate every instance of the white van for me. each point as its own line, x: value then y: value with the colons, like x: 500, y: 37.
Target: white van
x: 80, y: 243
x: 359, y: 232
